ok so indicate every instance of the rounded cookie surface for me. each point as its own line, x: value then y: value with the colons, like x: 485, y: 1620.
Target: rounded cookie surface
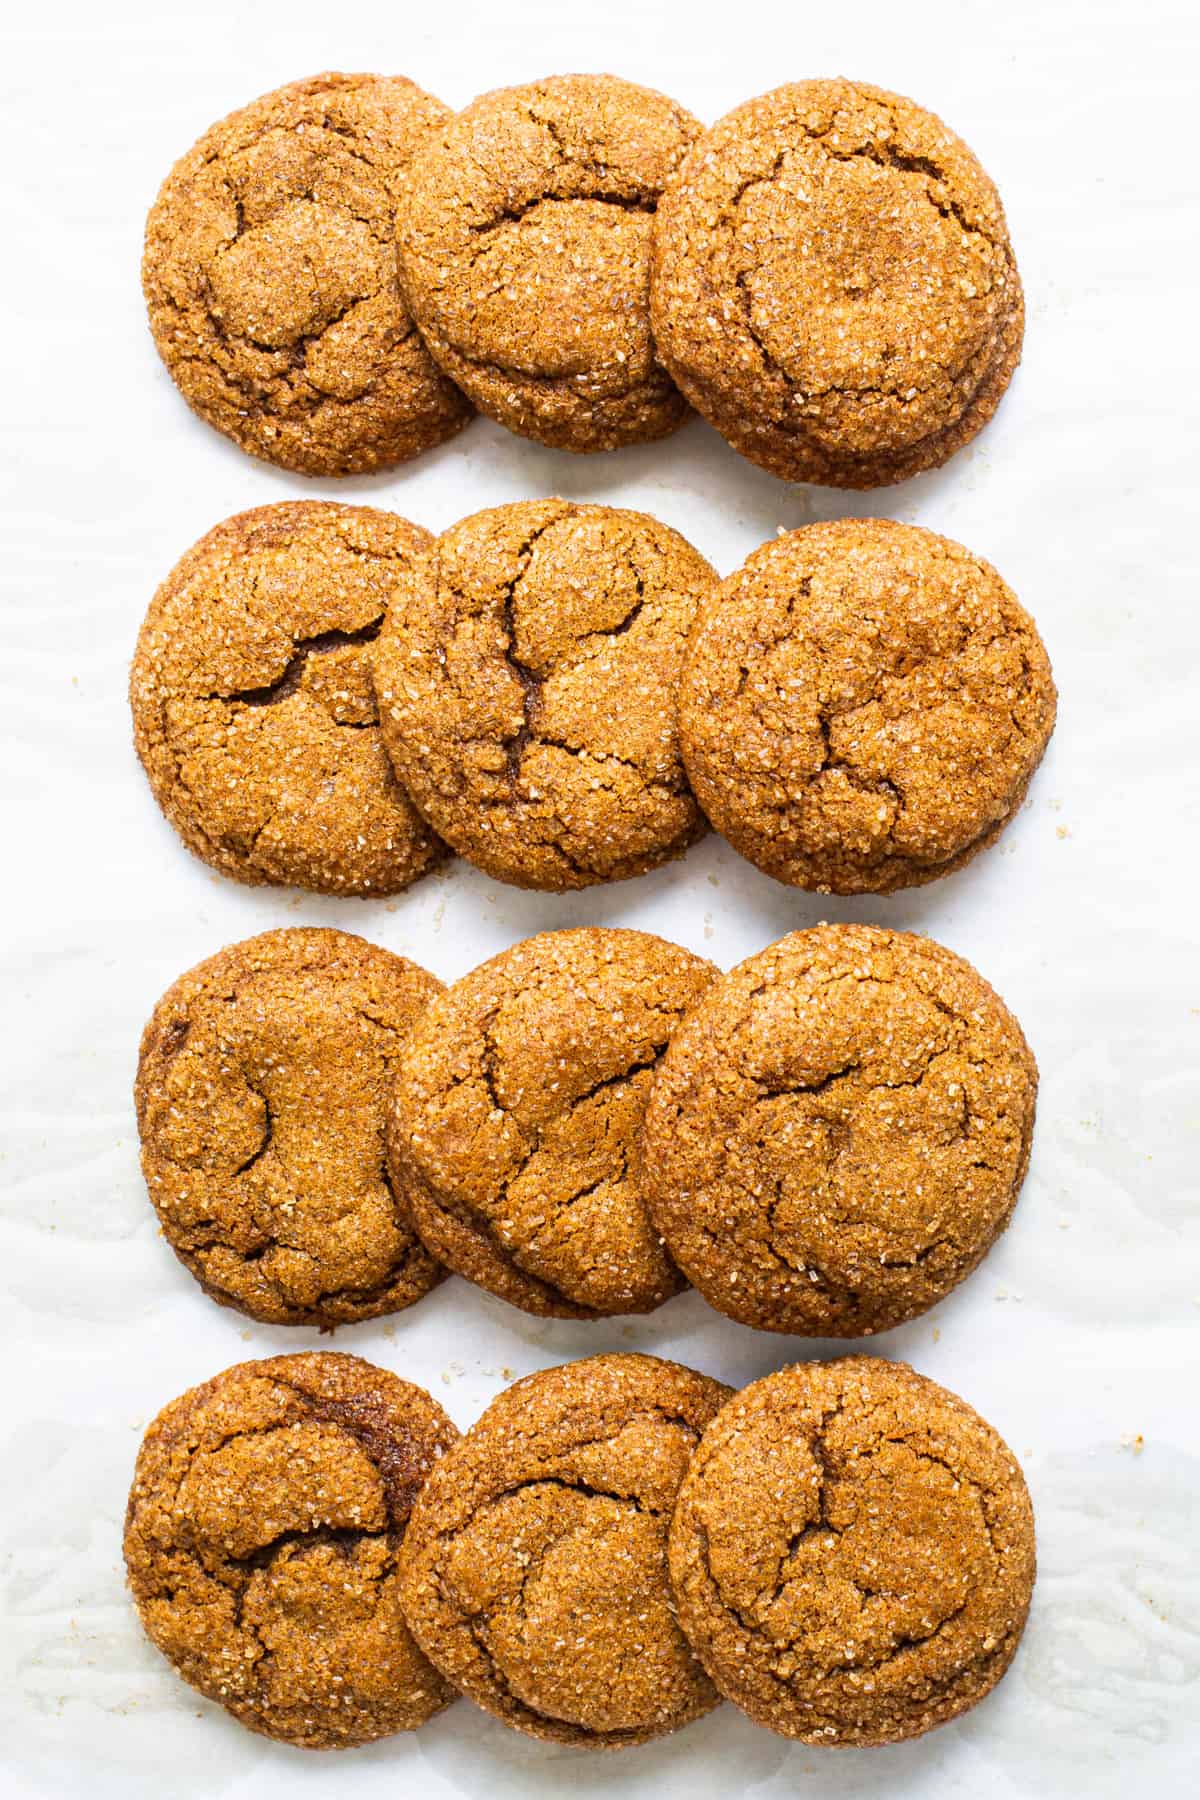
x: 852, y: 1553
x: 262, y: 1091
x: 863, y: 706
x: 269, y: 274
x: 527, y: 679
x: 262, y: 1540
x: 534, y: 1572
x: 525, y: 256
x: 516, y: 1112
x: 253, y: 710
x: 833, y: 285
x: 838, y: 1131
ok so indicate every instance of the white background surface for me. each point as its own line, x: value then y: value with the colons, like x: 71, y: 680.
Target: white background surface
x: 1081, y: 1330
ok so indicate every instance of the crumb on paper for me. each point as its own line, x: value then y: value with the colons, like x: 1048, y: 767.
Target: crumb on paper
x: 1134, y: 1442
x: 1062, y: 831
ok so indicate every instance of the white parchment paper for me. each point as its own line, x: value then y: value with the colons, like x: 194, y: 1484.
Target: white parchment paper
x: 1079, y: 1337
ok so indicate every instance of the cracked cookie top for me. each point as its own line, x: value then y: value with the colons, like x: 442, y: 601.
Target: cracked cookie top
x: 833, y: 285
x: 525, y: 256
x: 262, y: 1539
x: 269, y: 274
x: 534, y: 1570
x: 852, y: 1553
x: 516, y: 1112
x: 527, y: 678
x: 253, y: 711
x: 838, y: 1131
x: 262, y: 1091
x: 862, y: 706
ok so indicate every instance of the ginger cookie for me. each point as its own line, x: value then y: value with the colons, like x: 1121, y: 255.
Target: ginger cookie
x: 852, y: 1553
x: 534, y: 1571
x: 262, y: 1541
x: 269, y: 274
x: 527, y: 679
x: 863, y: 706
x: 838, y: 1131
x: 517, y: 1107
x: 833, y: 285
x: 253, y: 711
x: 262, y: 1092
x: 525, y: 256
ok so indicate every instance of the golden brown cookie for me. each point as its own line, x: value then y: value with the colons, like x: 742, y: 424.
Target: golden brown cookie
x: 517, y: 1107
x: 253, y: 710
x: 534, y: 1572
x: 269, y: 272
x: 833, y: 285
x: 838, y: 1131
x: 852, y: 1553
x: 525, y: 256
x: 262, y: 1540
x: 527, y: 680
x: 262, y: 1092
x: 863, y: 706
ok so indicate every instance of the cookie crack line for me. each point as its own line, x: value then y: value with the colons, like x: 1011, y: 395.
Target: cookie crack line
x: 303, y: 648
x: 345, y: 1539
x: 514, y: 215
x: 268, y: 1135
x: 530, y: 682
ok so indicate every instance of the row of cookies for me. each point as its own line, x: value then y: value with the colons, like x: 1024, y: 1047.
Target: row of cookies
x: 326, y: 696
x: 845, y: 1550
x: 825, y: 1141
x: 338, y: 273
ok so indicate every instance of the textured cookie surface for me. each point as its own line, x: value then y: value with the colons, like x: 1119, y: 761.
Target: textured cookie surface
x: 834, y: 287
x: 838, y: 1131
x: 852, y: 1553
x: 527, y: 680
x: 262, y: 1092
x: 863, y: 705
x: 269, y: 273
x: 525, y: 256
x: 253, y: 710
x: 517, y: 1107
x: 534, y: 1573
x: 262, y: 1539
